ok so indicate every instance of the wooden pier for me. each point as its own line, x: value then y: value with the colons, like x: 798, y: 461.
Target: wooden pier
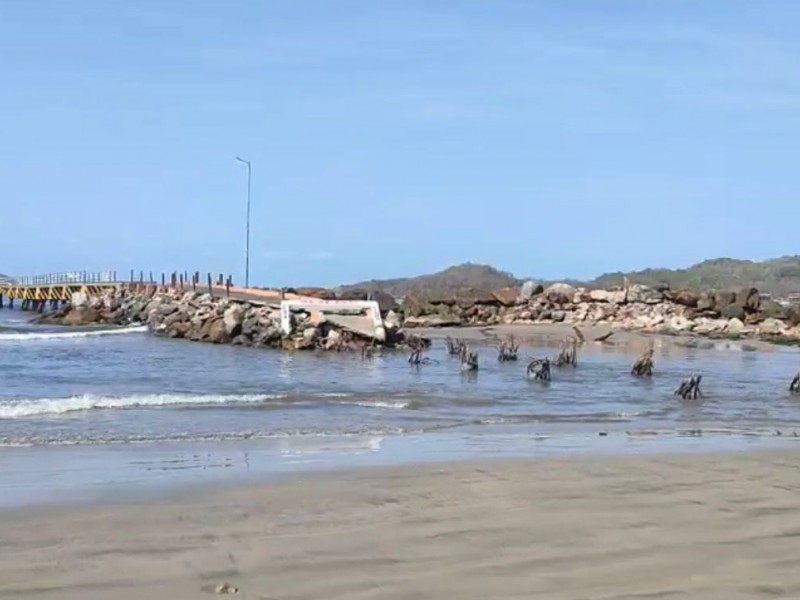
x: 59, y: 289
x: 34, y: 293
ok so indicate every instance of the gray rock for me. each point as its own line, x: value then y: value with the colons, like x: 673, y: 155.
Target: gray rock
x: 250, y: 326
x: 386, y: 302
x: 644, y: 294
x: 733, y: 311
x: 735, y: 327
x: 392, y: 320
x: 166, y: 309
x: 241, y: 340
x: 706, y: 326
x: 431, y: 321
x: 772, y: 327
x: 529, y: 290
x: 561, y: 293
x: 217, y: 331
x: 679, y: 324
x: 233, y: 318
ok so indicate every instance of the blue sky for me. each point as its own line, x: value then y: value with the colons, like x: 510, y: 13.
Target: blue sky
x: 392, y: 138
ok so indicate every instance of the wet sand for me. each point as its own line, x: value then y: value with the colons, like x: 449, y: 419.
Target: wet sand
x: 552, y: 334
x: 708, y: 526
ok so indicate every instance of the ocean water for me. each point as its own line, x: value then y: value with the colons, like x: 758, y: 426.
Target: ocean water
x: 110, y: 409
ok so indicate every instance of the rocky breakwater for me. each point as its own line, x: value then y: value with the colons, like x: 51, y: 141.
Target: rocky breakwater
x: 220, y: 320
x: 636, y: 307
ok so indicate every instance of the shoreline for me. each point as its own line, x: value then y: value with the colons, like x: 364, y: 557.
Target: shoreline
x: 64, y: 477
x: 561, y: 528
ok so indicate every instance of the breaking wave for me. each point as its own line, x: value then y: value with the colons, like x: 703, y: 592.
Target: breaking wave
x: 23, y: 336
x: 57, y: 406
x: 12, y: 409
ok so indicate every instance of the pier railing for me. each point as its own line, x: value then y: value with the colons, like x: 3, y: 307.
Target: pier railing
x: 71, y: 278
x: 176, y: 279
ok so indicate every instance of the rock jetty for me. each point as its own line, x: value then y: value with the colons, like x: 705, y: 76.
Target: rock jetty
x: 203, y: 317
x: 220, y: 320
x: 635, y: 307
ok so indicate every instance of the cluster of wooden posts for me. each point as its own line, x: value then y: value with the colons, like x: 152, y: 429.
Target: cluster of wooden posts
x: 538, y: 369
x: 185, y: 281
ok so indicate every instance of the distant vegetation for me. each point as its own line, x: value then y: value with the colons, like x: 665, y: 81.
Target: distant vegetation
x: 456, y: 280
x: 778, y: 276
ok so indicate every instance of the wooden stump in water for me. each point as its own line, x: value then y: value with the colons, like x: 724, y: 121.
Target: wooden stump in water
x: 416, y: 358
x: 469, y: 360
x: 568, y: 357
x: 507, y: 351
x: 689, y: 388
x: 643, y: 367
x: 794, y: 387
x: 454, y: 347
x: 539, y: 369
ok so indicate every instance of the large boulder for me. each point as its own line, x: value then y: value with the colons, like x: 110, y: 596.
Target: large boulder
x: 772, y: 327
x: 705, y: 302
x: 353, y: 294
x: 735, y: 327
x: 771, y: 309
x: 706, y: 326
x: 413, y: 306
x: 599, y: 295
x: 386, y: 301
x: 83, y: 315
x: 232, y: 318
x: 506, y: 296
x: 679, y: 324
x: 733, y: 311
x: 250, y: 326
x: 617, y: 296
x: 559, y: 293
x: 644, y: 294
x: 218, y: 332
x: 749, y: 299
x: 431, y: 321
x: 687, y: 298
x: 528, y: 290
x: 723, y: 299
x: 391, y: 321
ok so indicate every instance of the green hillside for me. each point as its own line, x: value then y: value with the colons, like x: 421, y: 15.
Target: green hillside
x: 778, y: 276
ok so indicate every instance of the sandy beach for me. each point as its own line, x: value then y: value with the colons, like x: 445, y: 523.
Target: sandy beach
x: 700, y: 526
x: 632, y: 342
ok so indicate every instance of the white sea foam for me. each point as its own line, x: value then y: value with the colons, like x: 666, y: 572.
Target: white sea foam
x: 376, y: 403
x: 24, y: 336
x: 57, y: 406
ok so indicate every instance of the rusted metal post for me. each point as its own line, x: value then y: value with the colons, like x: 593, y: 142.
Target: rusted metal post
x: 228, y: 286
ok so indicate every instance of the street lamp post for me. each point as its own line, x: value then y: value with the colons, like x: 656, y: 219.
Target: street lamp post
x: 247, y: 235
